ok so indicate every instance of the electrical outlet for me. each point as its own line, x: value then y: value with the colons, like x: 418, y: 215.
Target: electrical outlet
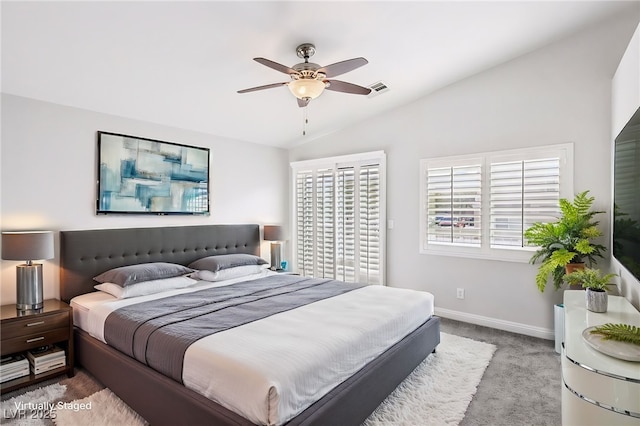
x: 460, y: 293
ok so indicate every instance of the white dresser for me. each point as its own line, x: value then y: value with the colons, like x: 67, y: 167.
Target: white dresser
x: 597, y: 389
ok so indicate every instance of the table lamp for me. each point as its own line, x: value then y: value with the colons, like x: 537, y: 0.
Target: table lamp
x: 28, y: 246
x: 274, y: 233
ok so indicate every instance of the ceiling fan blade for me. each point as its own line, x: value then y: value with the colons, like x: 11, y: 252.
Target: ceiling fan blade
x: 303, y: 102
x: 343, y: 86
x: 276, y: 66
x: 338, y: 68
x: 266, y: 86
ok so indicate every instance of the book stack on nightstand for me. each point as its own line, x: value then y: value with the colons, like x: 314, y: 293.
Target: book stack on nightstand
x: 46, y: 358
x: 13, y: 367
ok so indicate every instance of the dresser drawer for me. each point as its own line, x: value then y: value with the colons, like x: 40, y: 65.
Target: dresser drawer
x: 32, y: 325
x: 31, y: 341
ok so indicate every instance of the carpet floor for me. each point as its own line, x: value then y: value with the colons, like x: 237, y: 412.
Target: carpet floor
x: 520, y: 386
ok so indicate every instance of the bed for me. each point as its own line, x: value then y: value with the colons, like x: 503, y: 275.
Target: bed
x: 162, y: 400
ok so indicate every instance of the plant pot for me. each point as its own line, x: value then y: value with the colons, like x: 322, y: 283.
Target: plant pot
x: 572, y: 267
x: 596, y: 300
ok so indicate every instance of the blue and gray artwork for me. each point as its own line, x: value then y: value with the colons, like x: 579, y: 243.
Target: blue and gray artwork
x: 139, y: 175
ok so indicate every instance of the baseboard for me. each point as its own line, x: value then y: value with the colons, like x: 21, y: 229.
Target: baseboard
x: 513, y: 327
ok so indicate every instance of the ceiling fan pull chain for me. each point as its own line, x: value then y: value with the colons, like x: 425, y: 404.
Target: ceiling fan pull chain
x: 305, y: 120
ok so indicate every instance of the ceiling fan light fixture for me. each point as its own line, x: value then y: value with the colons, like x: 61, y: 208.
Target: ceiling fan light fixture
x: 306, y: 88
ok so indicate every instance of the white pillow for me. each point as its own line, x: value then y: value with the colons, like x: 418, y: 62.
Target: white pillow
x: 229, y: 273
x: 146, y: 287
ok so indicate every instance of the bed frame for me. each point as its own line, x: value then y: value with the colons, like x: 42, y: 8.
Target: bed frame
x: 160, y: 400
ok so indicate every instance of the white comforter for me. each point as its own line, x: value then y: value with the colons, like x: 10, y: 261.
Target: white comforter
x: 269, y: 371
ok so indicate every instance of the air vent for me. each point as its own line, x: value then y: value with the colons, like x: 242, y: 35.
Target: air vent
x: 378, y: 88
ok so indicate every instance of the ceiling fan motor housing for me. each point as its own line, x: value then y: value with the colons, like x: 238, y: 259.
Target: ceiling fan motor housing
x: 305, y: 51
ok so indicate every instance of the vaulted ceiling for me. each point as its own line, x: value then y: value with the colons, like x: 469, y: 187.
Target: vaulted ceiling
x: 182, y: 63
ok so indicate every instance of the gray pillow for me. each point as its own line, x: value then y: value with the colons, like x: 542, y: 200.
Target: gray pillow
x: 132, y: 274
x: 226, y: 261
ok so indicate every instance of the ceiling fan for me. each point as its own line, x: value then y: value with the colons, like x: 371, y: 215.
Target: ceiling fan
x: 308, y: 80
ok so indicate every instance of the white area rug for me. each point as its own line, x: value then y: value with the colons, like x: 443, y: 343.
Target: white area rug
x: 101, y: 408
x: 30, y: 408
x: 440, y: 389
x: 437, y: 393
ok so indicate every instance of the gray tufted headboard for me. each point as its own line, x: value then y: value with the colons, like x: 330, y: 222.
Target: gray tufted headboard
x: 85, y: 254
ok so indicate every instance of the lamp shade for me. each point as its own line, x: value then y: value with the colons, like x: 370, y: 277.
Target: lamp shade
x: 306, y: 88
x: 273, y: 233
x: 27, y: 245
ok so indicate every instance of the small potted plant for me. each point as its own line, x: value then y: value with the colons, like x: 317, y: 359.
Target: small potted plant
x: 596, y: 285
x: 566, y: 243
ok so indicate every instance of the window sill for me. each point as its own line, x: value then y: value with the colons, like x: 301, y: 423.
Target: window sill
x: 503, y: 255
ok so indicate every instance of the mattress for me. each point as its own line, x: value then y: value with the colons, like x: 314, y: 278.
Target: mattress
x: 270, y: 370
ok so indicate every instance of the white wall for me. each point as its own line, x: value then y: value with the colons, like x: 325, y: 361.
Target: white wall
x: 48, y: 177
x: 625, y: 100
x: 554, y: 95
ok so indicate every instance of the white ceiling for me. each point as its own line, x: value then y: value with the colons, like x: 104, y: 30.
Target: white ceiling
x: 181, y: 63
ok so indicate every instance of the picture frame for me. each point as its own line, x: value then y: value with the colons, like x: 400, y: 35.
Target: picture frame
x: 137, y: 175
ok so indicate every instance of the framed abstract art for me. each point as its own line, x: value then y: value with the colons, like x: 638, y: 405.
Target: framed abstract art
x: 146, y: 176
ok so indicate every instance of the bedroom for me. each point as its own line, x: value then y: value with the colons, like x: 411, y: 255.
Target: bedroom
x: 554, y: 93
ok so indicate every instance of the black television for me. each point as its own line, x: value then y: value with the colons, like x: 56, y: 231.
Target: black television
x: 626, y: 196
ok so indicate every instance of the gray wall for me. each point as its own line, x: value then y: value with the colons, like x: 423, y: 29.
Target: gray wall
x: 49, y: 169
x: 558, y: 94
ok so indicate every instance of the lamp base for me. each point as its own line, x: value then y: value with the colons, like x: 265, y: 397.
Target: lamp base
x: 29, y: 287
x: 276, y: 256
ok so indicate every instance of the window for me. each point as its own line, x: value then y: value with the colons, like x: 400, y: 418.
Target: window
x: 453, y: 203
x: 481, y: 205
x: 339, y: 217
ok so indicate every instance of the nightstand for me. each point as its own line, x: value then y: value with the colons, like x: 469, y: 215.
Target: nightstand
x: 23, y: 331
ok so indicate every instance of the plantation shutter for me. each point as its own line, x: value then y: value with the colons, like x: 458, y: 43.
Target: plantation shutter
x: 369, y: 235
x: 338, y: 213
x: 454, y: 204
x: 324, y: 244
x: 346, y: 225
x: 304, y: 222
x: 480, y: 205
x: 522, y: 192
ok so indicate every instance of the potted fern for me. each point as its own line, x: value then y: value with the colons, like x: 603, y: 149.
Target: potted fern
x: 567, y: 242
x: 596, y: 284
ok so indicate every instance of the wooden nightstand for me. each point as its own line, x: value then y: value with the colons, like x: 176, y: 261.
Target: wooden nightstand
x: 21, y: 332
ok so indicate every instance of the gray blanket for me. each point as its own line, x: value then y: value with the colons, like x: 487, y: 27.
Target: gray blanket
x: 158, y: 332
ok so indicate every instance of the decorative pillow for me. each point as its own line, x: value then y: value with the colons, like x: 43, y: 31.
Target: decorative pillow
x: 132, y: 274
x: 229, y: 273
x: 146, y: 287
x: 226, y: 261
